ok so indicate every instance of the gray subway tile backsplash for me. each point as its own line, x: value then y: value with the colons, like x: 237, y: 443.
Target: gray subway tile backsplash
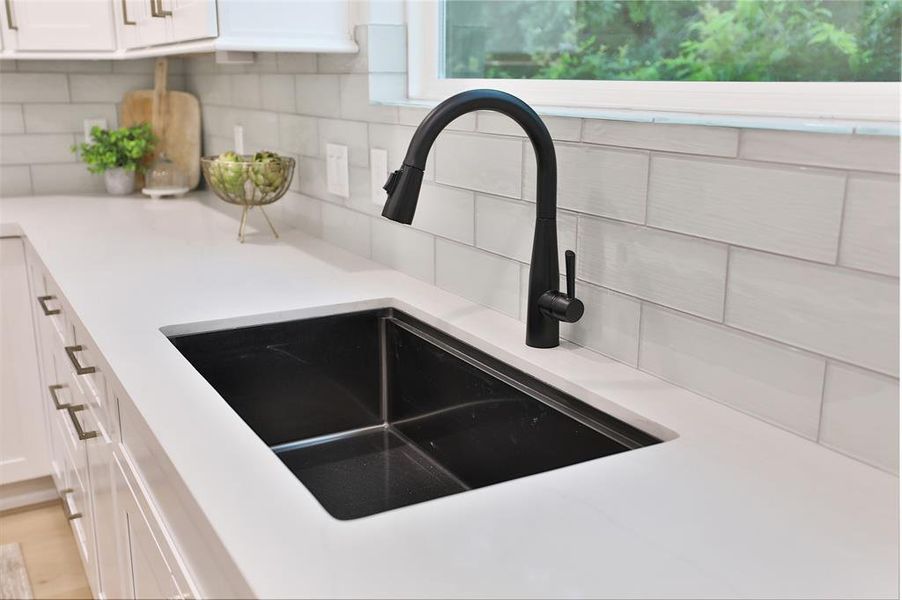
x: 757, y: 376
x: 596, y: 181
x: 858, y: 152
x: 67, y: 118
x: 789, y: 211
x: 861, y: 415
x: 870, y: 235
x: 686, y: 139
x: 809, y: 222
x: 844, y: 314
x: 675, y: 270
x: 34, y: 87
x: 485, y: 164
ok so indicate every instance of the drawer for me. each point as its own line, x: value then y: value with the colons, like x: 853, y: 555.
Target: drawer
x: 88, y: 372
x: 51, y: 307
x: 78, y: 511
x: 76, y: 496
x: 76, y: 453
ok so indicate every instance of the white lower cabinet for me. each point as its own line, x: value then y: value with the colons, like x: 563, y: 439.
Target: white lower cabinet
x: 151, y: 574
x: 23, y: 446
x: 109, y: 532
x: 121, y: 537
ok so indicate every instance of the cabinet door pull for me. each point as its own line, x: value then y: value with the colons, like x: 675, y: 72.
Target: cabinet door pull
x: 42, y: 300
x: 82, y: 434
x: 156, y: 9
x: 9, y: 16
x: 53, y: 396
x: 71, y: 516
x: 125, y: 18
x: 79, y: 369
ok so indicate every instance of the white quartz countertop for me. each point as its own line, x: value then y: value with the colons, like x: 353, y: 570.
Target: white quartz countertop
x: 727, y: 507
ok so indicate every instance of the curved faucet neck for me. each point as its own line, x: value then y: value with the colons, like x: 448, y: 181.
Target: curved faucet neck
x: 504, y: 103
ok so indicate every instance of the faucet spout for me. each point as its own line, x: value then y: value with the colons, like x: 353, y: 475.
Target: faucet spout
x: 403, y: 187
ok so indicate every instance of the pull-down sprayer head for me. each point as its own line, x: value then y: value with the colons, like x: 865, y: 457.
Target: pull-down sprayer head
x: 403, y: 187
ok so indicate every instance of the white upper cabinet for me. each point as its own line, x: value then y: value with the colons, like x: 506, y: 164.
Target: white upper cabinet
x: 122, y: 29
x: 148, y: 23
x: 61, y: 25
x: 193, y: 20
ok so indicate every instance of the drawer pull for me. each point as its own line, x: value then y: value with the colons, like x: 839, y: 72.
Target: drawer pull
x: 9, y: 16
x: 42, y: 300
x: 79, y: 369
x: 82, y: 434
x: 71, y: 516
x: 53, y: 396
x: 125, y: 19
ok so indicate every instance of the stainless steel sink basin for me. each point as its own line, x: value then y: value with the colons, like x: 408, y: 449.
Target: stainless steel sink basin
x: 375, y: 410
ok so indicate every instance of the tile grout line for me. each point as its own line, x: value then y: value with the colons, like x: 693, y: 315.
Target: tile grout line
x: 820, y: 414
x: 640, y: 333
x: 647, y: 194
x: 726, y: 285
x: 842, y: 220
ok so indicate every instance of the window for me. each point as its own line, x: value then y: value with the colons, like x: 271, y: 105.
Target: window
x: 804, y: 58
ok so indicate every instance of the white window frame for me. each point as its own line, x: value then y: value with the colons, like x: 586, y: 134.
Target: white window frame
x: 821, y: 100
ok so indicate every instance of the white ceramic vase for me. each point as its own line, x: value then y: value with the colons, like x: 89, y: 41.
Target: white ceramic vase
x: 119, y: 182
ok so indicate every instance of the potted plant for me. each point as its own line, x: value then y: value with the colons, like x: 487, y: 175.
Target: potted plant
x: 117, y: 153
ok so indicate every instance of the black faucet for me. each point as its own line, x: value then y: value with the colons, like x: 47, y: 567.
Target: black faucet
x: 547, y: 306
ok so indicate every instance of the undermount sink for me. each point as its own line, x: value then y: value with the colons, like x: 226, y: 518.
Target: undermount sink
x: 376, y: 410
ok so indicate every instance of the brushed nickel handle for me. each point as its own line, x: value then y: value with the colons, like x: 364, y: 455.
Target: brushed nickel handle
x: 42, y: 300
x: 53, y: 396
x: 125, y: 19
x: 156, y: 9
x: 82, y: 434
x: 9, y: 16
x: 79, y: 369
x: 71, y: 516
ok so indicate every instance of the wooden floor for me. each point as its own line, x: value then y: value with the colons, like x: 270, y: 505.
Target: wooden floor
x: 51, y: 557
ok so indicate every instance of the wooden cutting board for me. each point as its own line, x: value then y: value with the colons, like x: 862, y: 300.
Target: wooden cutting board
x: 175, y: 119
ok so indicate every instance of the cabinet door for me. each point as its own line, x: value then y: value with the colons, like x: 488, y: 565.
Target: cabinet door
x: 109, y: 534
x: 151, y: 577
x: 23, y: 441
x: 153, y: 23
x: 193, y: 20
x: 128, y: 14
x: 64, y: 24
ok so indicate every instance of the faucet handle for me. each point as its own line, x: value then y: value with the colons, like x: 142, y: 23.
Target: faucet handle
x: 564, y: 307
x: 570, y: 265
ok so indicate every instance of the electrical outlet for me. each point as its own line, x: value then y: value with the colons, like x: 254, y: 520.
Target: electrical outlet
x: 238, y: 134
x: 378, y: 175
x: 337, y: 170
x: 89, y: 124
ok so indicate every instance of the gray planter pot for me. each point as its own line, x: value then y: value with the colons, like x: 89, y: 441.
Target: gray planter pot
x: 119, y: 182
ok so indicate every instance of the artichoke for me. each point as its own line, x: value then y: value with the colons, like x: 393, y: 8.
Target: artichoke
x: 267, y: 172
x: 228, y: 173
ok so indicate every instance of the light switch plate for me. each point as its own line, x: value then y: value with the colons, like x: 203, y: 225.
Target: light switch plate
x: 337, y: 170
x: 378, y: 175
x: 89, y: 124
x: 238, y: 133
